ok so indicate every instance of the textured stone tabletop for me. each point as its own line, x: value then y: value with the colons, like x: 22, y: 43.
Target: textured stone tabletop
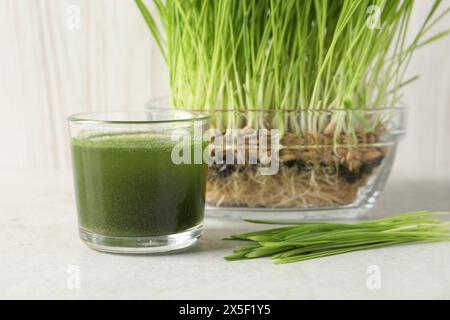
x: 42, y: 257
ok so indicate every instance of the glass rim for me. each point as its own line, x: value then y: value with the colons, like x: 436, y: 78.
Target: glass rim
x: 101, y: 117
x: 332, y: 110
x: 156, y: 104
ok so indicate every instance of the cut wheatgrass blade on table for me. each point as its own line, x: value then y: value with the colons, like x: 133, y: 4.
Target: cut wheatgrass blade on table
x: 299, y: 241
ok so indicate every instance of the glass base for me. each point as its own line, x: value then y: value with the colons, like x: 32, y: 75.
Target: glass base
x: 355, y: 211
x: 296, y: 214
x: 141, y: 245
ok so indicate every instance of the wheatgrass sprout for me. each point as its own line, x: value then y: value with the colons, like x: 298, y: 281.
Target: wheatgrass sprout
x: 327, y: 74
x: 293, y: 242
x: 288, y: 54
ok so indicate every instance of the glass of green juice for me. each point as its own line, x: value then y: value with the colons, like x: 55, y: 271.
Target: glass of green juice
x: 140, y: 179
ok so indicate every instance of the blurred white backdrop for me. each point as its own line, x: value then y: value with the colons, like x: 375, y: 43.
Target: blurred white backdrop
x: 51, y: 67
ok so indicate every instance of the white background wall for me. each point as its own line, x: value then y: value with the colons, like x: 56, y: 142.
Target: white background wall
x: 48, y: 71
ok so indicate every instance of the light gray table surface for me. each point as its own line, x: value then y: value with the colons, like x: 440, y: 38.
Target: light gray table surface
x: 40, y: 253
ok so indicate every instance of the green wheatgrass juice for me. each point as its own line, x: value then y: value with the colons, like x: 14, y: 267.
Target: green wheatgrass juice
x: 128, y: 186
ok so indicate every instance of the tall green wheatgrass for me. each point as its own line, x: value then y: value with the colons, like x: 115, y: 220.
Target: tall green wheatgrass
x: 289, y: 54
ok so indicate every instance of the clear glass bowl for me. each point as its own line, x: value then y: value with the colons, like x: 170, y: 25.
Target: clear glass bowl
x: 324, y: 164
